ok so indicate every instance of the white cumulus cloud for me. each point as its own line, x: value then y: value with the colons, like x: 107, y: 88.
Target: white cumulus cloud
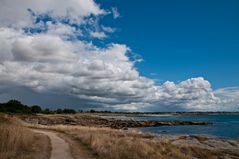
x: 99, y: 35
x: 16, y: 12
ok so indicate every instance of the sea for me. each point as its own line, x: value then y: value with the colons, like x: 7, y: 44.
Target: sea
x: 223, y: 126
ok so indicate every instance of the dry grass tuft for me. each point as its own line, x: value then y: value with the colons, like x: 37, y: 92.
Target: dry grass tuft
x: 18, y: 142
x: 15, y: 140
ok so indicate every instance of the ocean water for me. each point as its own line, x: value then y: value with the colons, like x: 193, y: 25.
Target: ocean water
x: 223, y: 126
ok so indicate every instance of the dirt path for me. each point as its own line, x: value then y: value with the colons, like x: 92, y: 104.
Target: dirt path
x: 60, y: 148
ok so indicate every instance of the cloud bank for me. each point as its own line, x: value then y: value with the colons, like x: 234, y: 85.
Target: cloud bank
x: 45, y: 48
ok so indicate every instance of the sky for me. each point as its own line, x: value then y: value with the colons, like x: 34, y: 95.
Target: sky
x: 163, y: 55
x: 181, y: 39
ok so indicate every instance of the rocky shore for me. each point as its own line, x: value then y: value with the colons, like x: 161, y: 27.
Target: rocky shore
x: 118, y: 124
x: 87, y: 120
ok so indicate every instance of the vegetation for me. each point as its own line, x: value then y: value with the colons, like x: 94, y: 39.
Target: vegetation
x: 15, y: 106
x: 65, y: 111
x: 117, y: 144
x: 19, y: 142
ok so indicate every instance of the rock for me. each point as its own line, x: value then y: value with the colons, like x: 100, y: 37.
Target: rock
x: 98, y: 121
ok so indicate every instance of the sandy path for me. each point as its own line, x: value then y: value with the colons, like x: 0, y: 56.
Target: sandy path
x: 60, y: 148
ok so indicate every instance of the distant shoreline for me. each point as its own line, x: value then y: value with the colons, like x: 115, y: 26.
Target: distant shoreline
x: 143, y: 114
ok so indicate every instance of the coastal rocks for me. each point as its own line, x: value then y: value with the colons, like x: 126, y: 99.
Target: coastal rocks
x: 50, y: 121
x: 118, y: 124
x: 227, y: 148
x: 87, y: 120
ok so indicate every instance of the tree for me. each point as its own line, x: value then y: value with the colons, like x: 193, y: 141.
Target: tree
x: 59, y: 111
x: 47, y: 111
x: 92, y: 111
x: 15, y: 106
x: 69, y: 111
x: 36, y: 109
x: 2, y: 108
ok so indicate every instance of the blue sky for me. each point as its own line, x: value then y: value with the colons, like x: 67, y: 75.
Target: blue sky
x: 181, y: 39
x: 158, y: 55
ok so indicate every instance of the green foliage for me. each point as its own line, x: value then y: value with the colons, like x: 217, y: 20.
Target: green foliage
x: 15, y: 106
x: 92, y: 111
x: 69, y: 111
x: 47, y: 111
x: 59, y: 111
x: 36, y: 109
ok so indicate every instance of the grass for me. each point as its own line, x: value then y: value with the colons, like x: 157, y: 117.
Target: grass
x: 18, y: 142
x: 109, y: 143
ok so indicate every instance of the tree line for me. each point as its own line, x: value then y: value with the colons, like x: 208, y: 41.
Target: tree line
x: 15, y: 106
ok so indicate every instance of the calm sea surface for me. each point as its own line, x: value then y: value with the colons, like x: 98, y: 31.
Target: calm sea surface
x: 224, y: 126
